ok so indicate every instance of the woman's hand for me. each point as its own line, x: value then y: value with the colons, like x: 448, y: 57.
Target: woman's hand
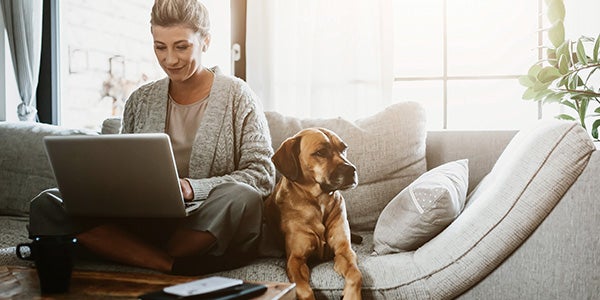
x: 186, y: 189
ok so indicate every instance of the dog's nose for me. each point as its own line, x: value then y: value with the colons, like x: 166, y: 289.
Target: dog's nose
x: 346, y: 170
x: 343, y: 177
x: 347, y: 174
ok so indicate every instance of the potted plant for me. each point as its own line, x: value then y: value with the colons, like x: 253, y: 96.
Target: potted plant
x: 567, y: 75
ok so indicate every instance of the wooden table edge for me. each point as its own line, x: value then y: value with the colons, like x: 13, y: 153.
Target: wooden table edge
x: 275, y: 290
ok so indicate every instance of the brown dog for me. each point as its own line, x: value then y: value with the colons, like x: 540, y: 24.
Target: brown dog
x: 307, y: 210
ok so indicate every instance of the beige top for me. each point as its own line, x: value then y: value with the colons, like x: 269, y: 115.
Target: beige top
x: 182, y: 124
x: 233, y: 143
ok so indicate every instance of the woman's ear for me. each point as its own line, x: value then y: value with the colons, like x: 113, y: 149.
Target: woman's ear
x: 206, y: 43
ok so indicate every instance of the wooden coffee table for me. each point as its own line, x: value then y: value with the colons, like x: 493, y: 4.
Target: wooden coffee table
x: 22, y: 283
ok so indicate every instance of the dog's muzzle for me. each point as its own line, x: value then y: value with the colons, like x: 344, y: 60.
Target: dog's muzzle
x: 343, y: 177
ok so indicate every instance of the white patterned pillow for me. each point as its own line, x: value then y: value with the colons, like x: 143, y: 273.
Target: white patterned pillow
x: 423, y: 209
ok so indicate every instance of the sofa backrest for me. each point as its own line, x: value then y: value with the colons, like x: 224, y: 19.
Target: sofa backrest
x: 482, y: 148
x: 24, y: 167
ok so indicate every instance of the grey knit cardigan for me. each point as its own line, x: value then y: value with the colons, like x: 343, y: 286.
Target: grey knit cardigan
x: 233, y: 143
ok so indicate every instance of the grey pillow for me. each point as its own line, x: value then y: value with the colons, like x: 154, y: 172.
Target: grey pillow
x: 423, y: 209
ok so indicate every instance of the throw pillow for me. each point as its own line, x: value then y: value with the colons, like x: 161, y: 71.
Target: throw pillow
x: 423, y: 209
x: 387, y: 148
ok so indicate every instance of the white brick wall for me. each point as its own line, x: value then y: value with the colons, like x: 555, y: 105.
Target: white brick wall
x: 91, y: 33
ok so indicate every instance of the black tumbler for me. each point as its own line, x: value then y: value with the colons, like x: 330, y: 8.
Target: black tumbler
x: 53, y: 257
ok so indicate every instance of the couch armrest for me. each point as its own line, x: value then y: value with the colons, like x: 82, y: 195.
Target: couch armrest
x: 561, y: 258
x: 482, y: 148
x: 530, y: 177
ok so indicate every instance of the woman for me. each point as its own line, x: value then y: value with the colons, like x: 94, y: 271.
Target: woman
x: 222, y: 150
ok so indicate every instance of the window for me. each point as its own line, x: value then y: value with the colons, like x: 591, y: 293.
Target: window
x: 461, y: 59
x: 106, y: 52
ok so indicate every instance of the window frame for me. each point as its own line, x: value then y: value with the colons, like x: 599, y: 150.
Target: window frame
x: 445, y: 78
x: 48, y: 80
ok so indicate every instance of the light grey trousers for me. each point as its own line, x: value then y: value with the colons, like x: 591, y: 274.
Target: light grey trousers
x: 232, y: 213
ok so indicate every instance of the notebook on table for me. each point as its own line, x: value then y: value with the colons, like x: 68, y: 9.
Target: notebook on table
x: 118, y: 175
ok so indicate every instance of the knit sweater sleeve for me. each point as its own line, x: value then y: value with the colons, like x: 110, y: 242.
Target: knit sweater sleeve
x: 252, y: 148
x: 128, y: 119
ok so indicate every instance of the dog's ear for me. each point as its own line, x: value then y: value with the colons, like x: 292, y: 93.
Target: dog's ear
x: 286, y: 159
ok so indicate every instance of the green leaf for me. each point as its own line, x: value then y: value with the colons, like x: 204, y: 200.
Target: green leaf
x: 564, y: 81
x: 574, y: 81
x: 529, y: 94
x: 550, y: 52
x: 526, y: 80
x: 568, y: 103
x: 581, y: 53
x: 548, y: 74
x: 551, y: 57
x: 549, y: 2
x: 597, y: 110
x: 542, y: 95
x: 540, y: 86
x: 554, y: 97
x: 583, y: 105
x: 556, y: 33
x: 595, y: 128
x: 534, y: 70
x: 563, y: 64
x: 565, y: 50
x: 556, y: 11
x: 565, y: 117
x: 596, y: 48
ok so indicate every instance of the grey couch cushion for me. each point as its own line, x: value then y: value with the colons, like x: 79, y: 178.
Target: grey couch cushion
x: 394, y: 276
x: 387, y: 148
x: 24, y: 168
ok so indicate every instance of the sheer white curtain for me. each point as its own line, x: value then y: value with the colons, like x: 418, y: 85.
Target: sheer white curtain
x: 314, y: 58
x: 23, y: 21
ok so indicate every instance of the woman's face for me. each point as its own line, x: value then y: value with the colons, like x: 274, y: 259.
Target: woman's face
x: 178, y: 50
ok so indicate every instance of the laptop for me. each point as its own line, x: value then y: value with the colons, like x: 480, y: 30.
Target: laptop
x: 118, y: 175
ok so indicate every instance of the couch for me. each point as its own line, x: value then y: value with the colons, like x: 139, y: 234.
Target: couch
x: 528, y: 229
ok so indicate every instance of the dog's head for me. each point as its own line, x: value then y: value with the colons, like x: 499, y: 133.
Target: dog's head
x: 316, y: 155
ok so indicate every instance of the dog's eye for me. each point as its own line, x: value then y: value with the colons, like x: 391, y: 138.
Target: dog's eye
x: 343, y: 149
x: 321, y: 153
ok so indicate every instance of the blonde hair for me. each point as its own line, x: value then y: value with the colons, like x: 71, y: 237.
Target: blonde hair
x: 190, y: 13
